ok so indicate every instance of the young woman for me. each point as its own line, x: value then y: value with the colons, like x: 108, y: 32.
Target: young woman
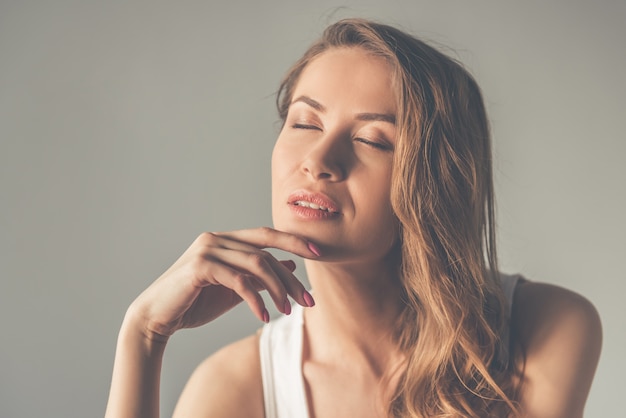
x: 382, y: 181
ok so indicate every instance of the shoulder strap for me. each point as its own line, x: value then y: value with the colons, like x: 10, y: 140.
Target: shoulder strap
x: 508, y: 283
x: 280, y: 348
x: 266, y: 371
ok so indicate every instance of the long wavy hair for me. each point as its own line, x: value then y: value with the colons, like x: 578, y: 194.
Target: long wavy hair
x: 454, y: 316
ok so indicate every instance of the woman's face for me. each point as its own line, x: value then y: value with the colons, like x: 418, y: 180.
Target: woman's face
x: 331, y: 165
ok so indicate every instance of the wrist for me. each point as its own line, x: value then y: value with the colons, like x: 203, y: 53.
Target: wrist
x: 137, y: 370
x: 136, y: 330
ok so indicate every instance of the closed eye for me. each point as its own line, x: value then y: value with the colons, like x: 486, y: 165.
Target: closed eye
x: 374, y: 144
x: 304, y: 126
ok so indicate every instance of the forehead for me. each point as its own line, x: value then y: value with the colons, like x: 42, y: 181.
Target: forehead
x: 349, y: 77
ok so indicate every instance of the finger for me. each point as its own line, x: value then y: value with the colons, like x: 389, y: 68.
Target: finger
x: 289, y: 264
x: 296, y: 290
x: 266, y: 237
x: 229, y: 240
x: 294, y: 287
x: 261, y: 265
x: 241, y: 283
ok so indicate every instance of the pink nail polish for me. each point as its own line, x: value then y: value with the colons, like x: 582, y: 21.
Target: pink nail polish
x: 314, y: 249
x: 308, y: 299
x: 266, y: 316
x: 287, y: 309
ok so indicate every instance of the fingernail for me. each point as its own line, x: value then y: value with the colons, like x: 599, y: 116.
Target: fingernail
x: 287, y: 309
x: 314, y: 249
x: 308, y: 299
x: 266, y: 316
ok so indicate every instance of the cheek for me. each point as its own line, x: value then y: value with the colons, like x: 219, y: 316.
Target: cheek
x: 375, y: 191
x: 373, y: 201
x: 384, y: 211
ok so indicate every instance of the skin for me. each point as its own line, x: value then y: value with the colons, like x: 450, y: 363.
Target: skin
x: 328, y: 146
x: 561, y: 335
x: 348, y: 157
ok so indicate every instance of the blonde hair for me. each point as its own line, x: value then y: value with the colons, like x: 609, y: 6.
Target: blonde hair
x: 442, y: 195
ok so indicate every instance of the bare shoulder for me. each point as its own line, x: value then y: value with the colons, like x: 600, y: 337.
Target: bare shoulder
x: 227, y: 384
x: 560, y: 334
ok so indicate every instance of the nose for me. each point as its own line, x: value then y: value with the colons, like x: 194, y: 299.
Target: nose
x: 328, y: 159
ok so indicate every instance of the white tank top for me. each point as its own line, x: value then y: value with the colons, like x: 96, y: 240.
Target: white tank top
x: 280, y: 348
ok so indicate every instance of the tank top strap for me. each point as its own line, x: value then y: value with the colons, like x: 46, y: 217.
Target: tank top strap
x: 508, y: 283
x: 280, y: 350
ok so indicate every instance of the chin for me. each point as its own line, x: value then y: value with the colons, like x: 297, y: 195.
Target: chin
x: 305, y: 230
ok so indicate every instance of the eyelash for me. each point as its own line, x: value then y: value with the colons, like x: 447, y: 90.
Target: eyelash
x: 302, y: 126
x: 373, y: 144
x: 377, y: 145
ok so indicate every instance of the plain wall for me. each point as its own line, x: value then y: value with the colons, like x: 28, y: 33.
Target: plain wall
x: 129, y: 127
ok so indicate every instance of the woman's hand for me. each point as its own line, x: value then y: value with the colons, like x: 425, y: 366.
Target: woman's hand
x: 215, y: 273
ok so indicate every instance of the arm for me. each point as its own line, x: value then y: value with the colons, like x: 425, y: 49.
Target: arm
x: 216, y: 272
x: 136, y: 374
x: 561, y: 335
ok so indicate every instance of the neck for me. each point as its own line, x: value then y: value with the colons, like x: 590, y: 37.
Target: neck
x: 356, y: 312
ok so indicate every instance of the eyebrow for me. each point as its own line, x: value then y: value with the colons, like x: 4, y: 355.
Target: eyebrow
x: 382, y: 117
x: 368, y: 116
x: 313, y: 103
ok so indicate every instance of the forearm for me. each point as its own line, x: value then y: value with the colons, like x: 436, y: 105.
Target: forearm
x: 136, y: 375
x: 211, y: 277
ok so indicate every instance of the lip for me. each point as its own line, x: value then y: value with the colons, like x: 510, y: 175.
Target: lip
x: 319, y: 199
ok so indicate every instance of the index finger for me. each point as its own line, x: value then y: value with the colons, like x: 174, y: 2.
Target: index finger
x: 266, y: 237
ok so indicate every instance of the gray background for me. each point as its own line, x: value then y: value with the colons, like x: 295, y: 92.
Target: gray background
x: 127, y: 128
